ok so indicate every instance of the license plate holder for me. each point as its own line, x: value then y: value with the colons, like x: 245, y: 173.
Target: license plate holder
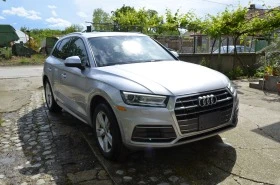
x: 209, y: 120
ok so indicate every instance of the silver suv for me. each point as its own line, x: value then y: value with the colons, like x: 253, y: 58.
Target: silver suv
x: 135, y: 93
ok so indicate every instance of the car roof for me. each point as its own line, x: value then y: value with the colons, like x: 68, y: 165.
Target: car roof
x: 105, y: 34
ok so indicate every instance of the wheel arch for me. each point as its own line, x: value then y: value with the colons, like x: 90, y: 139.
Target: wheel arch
x: 45, y: 79
x: 97, y: 99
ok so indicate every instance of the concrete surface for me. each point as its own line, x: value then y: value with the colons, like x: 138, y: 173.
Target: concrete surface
x: 16, y: 84
x: 248, y: 154
x: 20, y: 71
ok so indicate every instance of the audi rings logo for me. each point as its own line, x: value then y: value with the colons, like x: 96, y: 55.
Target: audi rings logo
x: 204, y: 101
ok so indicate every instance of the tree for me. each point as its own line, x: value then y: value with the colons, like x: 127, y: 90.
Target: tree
x: 126, y: 19
x: 101, y: 20
x: 73, y: 28
x: 263, y: 24
x: 154, y: 22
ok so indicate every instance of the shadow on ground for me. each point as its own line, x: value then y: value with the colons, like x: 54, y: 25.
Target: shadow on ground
x: 271, y: 131
x: 53, y: 147
x: 63, y: 146
x: 209, y: 161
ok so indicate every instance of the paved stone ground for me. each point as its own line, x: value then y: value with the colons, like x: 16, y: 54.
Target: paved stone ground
x: 37, y: 149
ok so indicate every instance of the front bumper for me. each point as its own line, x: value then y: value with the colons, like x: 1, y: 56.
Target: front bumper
x: 143, y: 127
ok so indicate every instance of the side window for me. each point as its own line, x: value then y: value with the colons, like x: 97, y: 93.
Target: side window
x: 78, y: 49
x: 61, y: 51
x: 55, y: 51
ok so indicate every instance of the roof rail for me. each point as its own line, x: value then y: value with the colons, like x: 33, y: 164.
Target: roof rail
x: 78, y: 33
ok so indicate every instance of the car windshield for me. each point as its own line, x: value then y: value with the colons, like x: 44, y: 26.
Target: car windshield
x: 116, y: 50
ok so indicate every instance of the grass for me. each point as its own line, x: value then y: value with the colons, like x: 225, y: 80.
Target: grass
x: 1, y: 121
x: 37, y: 59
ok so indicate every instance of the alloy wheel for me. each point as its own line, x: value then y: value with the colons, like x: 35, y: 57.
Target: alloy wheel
x: 103, y: 132
x: 48, y: 93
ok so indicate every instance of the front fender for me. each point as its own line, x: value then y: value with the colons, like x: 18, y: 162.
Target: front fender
x: 110, y: 94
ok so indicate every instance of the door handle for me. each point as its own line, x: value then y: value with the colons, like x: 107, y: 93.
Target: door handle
x: 63, y: 75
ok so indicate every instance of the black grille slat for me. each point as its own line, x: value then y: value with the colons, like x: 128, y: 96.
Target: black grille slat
x: 187, y: 109
x: 153, y: 133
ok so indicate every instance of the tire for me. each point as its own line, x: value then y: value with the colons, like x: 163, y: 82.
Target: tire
x: 50, y: 101
x: 108, y: 140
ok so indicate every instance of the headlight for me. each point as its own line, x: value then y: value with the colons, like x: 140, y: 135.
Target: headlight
x: 231, y: 88
x: 144, y: 99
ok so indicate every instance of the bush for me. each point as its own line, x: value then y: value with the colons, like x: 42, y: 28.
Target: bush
x: 235, y: 73
x: 205, y: 63
x: 6, y: 53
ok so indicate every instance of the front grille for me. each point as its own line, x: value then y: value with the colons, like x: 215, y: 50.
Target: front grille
x: 203, y: 135
x: 153, y: 134
x: 188, y: 111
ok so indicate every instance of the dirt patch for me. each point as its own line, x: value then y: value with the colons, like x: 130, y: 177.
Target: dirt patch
x: 16, y: 92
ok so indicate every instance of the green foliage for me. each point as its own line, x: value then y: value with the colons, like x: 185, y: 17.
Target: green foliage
x: 228, y: 22
x: 149, y: 21
x: 259, y: 72
x: 127, y: 18
x: 36, y: 59
x: 1, y: 120
x: 100, y: 18
x: 271, y: 60
x: 205, y: 62
x: 38, y: 35
x: 263, y: 24
x: 73, y: 28
x: 6, y: 53
x: 235, y: 73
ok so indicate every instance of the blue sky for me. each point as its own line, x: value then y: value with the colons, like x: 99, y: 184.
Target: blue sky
x: 58, y: 14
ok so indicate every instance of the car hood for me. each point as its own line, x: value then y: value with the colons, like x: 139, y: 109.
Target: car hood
x: 166, y: 77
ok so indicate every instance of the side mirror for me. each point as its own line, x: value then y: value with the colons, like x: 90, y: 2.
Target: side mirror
x: 74, y: 61
x: 175, y: 54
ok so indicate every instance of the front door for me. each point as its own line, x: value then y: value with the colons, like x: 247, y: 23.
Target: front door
x: 74, y: 80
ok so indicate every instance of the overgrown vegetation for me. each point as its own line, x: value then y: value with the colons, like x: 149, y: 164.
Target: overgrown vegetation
x: 270, y: 60
x: 1, y: 120
x: 36, y: 59
x: 38, y: 35
x: 234, y: 23
x: 205, y: 62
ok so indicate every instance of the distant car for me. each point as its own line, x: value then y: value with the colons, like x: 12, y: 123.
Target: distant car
x: 240, y: 49
x: 135, y: 93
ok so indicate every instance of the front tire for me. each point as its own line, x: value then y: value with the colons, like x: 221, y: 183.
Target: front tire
x: 50, y: 101
x: 107, y: 133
